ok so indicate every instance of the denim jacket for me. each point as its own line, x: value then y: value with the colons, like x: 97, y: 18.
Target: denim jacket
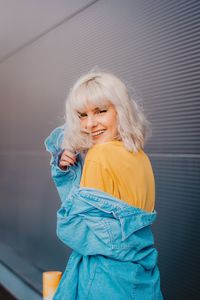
x: 113, y: 255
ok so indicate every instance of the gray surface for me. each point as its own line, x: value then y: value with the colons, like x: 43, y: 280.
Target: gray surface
x: 5, y: 295
x: 19, y: 276
x: 24, y: 21
x: 154, y: 47
x: 24, y: 269
x: 16, y: 286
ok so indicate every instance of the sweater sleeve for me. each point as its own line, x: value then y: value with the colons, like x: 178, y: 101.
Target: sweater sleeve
x: 96, y: 176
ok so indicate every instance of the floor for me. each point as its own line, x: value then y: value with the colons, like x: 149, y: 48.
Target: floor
x: 5, y: 295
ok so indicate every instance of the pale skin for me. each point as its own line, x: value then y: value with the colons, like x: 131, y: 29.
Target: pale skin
x: 100, y: 123
x: 67, y: 159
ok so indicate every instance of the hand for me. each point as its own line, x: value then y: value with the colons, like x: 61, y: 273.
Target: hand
x: 67, y: 159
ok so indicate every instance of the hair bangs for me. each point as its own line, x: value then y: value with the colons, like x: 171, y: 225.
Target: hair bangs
x: 88, y: 93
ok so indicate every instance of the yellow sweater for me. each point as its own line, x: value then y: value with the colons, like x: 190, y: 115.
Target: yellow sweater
x: 128, y: 176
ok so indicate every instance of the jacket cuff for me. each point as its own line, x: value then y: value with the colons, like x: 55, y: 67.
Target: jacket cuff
x: 52, y: 144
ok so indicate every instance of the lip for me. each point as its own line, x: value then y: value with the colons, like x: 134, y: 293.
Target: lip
x: 97, y: 133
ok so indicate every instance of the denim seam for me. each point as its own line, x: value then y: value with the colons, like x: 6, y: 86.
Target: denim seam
x: 134, y: 285
x: 70, y: 262
x: 91, y: 280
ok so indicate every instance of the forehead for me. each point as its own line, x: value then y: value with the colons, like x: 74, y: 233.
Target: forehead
x: 90, y: 96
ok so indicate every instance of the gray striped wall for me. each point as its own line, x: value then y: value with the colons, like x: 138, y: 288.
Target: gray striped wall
x: 154, y: 47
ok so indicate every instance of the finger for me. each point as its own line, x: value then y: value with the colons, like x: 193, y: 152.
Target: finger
x: 69, y: 154
x: 64, y: 164
x: 63, y: 167
x: 65, y: 156
x: 67, y: 160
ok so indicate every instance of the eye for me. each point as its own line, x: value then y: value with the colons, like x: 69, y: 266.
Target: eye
x: 101, y: 111
x: 82, y: 115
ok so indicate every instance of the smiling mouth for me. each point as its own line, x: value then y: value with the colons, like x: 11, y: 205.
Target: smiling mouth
x: 97, y: 133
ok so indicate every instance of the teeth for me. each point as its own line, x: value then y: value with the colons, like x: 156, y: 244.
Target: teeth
x: 97, y: 133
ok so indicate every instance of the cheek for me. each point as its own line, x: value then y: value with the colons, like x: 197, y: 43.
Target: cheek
x: 82, y: 124
x: 115, y: 127
x: 113, y: 122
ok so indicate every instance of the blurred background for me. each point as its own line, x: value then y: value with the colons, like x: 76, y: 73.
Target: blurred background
x: 44, y: 47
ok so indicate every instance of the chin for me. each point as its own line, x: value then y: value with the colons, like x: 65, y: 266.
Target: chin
x: 97, y: 142
x: 101, y: 139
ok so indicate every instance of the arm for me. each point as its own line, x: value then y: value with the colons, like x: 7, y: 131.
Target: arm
x: 82, y: 228
x: 63, y: 179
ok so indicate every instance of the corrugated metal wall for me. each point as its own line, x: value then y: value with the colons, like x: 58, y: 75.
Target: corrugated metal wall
x: 154, y: 47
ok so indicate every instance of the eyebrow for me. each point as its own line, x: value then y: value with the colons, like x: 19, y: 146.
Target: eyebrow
x: 96, y: 108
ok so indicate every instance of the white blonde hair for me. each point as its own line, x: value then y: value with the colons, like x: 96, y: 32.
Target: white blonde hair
x: 99, y: 88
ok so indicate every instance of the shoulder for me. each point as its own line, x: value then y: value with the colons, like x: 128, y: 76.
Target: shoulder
x: 101, y: 151
x: 115, y: 153
x: 107, y: 155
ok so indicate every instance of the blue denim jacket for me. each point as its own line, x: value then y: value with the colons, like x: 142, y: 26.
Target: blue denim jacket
x: 113, y: 255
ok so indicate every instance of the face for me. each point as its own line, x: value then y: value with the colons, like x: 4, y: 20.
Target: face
x: 99, y: 122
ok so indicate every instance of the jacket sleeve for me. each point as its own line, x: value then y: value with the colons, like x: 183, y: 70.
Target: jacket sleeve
x: 64, y: 180
x: 81, y: 228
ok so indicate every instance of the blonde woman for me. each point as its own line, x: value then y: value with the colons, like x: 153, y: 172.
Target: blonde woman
x: 106, y: 184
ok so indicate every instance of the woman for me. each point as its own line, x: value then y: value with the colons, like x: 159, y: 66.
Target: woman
x: 108, y: 197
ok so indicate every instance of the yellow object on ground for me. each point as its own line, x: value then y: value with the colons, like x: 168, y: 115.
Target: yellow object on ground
x: 51, y: 281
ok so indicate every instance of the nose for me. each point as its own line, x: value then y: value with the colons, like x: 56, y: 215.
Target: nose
x: 91, y: 122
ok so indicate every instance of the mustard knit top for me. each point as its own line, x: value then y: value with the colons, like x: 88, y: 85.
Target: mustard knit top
x: 111, y: 168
